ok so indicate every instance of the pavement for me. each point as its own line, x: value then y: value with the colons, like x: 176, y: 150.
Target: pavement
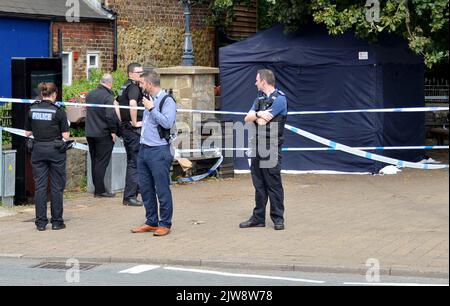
x: 334, y: 224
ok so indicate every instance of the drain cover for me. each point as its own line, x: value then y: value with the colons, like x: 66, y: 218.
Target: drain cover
x: 62, y: 266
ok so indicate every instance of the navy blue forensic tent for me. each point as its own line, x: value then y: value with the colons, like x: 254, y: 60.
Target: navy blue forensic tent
x: 319, y: 72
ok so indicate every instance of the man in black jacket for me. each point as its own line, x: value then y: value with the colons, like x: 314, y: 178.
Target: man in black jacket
x: 101, y: 129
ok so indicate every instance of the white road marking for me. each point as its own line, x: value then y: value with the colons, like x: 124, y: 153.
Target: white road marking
x: 144, y: 268
x: 245, y: 275
x: 140, y: 269
x: 395, y: 284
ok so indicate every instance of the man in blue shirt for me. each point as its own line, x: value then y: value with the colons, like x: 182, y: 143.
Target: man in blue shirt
x: 155, y: 157
x: 268, y: 113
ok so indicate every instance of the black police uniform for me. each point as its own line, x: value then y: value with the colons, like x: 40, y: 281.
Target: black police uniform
x: 48, y: 121
x: 267, y: 181
x: 131, y: 136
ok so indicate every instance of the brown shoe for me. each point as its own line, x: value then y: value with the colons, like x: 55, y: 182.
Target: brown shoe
x: 162, y: 231
x: 144, y: 229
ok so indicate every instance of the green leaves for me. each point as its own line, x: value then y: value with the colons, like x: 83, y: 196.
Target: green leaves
x: 424, y: 23
x: 86, y: 85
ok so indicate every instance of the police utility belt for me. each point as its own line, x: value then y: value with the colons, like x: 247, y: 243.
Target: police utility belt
x: 59, y: 144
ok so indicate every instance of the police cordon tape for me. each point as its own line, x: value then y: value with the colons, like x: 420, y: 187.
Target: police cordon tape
x: 84, y: 147
x: 376, y: 110
x: 122, y: 150
x: 364, y: 154
x: 331, y: 144
x: 326, y: 149
x: 202, y: 176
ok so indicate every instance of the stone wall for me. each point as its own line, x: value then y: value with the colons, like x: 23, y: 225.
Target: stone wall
x: 193, y: 88
x: 163, y: 46
x: 76, y: 168
x: 151, y: 32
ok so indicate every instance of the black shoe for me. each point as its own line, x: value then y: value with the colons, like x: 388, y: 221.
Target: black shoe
x: 57, y: 227
x: 251, y: 223
x: 278, y: 226
x: 41, y: 228
x: 105, y: 195
x: 132, y: 202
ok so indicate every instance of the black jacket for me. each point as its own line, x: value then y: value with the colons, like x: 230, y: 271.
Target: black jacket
x: 100, y: 121
x: 47, y: 121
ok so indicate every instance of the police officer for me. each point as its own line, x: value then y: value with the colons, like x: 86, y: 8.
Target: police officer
x: 268, y: 113
x: 48, y: 124
x: 130, y: 130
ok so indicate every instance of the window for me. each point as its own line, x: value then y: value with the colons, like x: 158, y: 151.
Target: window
x: 93, y: 61
x: 67, y: 62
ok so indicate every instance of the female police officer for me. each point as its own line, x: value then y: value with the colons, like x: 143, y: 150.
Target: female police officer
x: 48, y: 124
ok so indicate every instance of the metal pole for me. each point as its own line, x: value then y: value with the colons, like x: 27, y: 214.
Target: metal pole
x: 188, y: 49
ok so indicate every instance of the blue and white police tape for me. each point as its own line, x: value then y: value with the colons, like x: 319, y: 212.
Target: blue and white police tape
x: 375, y: 110
x: 121, y: 150
x: 371, y: 148
x: 205, y: 175
x: 380, y: 110
x: 327, y: 149
x: 21, y: 133
x: 360, y: 153
x: 83, y: 105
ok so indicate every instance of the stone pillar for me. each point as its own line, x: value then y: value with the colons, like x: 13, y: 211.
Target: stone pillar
x: 193, y: 88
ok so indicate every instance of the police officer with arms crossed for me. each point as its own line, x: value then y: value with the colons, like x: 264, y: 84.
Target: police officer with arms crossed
x: 155, y: 157
x: 130, y: 129
x: 48, y: 124
x: 269, y: 110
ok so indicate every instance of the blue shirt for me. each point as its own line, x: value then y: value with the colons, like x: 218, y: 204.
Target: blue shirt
x: 279, y: 106
x: 153, y: 118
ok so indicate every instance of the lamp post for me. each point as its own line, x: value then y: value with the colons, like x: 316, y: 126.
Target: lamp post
x: 188, y: 50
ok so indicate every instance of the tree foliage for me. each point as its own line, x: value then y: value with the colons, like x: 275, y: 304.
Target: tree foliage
x: 424, y: 23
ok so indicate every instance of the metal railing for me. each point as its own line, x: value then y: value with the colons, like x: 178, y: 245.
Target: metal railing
x: 436, y: 91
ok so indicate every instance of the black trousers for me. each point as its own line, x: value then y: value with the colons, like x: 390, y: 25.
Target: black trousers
x: 47, y: 160
x: 131, y: 140
x: 268, y: 185
x: 100, y: 149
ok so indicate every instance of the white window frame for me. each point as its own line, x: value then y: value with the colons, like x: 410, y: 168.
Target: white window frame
x: 70, y: 67
x: 97, y: 61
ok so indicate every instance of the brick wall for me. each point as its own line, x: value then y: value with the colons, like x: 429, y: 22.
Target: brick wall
x: 151, y: 32
x: 83, y: 37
